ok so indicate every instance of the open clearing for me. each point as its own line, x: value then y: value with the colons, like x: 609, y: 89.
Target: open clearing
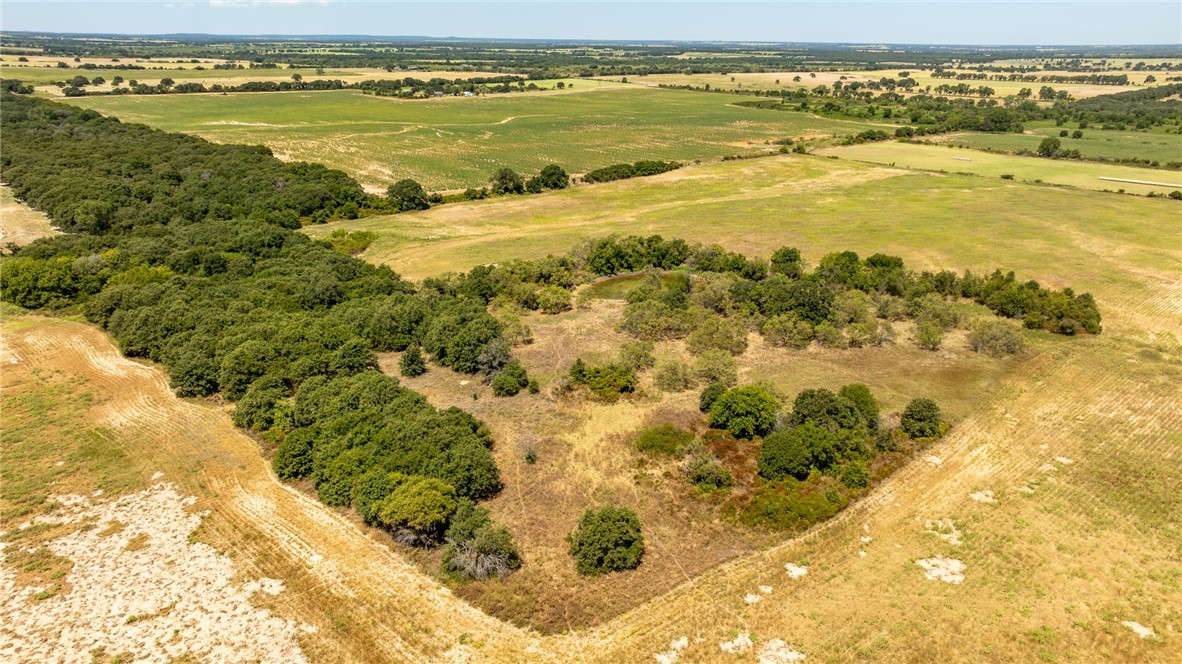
x: 1082, y: 174
x: 458, y: 142
x: 20, y: 224
x: 1053, y: 571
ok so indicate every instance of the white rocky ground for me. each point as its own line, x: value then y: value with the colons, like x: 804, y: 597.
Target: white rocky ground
x: 160, y: 599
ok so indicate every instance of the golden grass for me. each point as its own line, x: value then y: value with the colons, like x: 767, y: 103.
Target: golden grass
x: 20, y: 224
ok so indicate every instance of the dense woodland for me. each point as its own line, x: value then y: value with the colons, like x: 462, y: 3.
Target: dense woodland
x: 185, y: 252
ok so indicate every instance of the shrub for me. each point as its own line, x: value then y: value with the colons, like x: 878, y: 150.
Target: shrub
x: 929, y: 335
x: 476, y: 549
x: 745, y: 411
x: 656, y: 320
x: 862, y: 334
x: 412, y: 363
x: 510, y: 380
x: 932, y: 308
x: 892, y: 308
x: 795, y: 453
x: 489, y: 552
x: 607, y: 540
x: 674, y: 376
x: 663, y: 439
x: 709, y: 395
x: 706, y: 472
x: 637, y: 355
x: 717, y: 366
x: 607, y: 382
x: 553, y: 299
x: 995, y: 338
x: 826, y: 409
x: 921, y: 419
x: 859, y: 395
x: 855, y: 475
x: 787, y: 331
x: 829, y: 336
x: 421, y: 505
x: 718, y: 333
x: 852, y: 306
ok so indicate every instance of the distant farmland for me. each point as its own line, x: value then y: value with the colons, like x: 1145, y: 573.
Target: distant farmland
x: 458, y: 142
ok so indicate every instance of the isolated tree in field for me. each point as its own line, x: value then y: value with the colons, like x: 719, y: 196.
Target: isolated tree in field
x: 167, y: 83
x: 745, y: 411
x: 297, y: 78
x: 407, y: 195
x: 412, y: 363
x: 921, y: 419
x: 506, y: 181
x: 607, y: 540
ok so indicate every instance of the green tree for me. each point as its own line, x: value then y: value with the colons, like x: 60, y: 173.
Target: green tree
x: 717, y: 366
x: 859, y: 395
x: 796, y: 452
x: 421, y: 505
x: 1049, y: 147
x: 921, y: 419
x: 746, y: 412
x: 788, y: 331
x: 407, y: 195
x: 506, y: 181
x: 607, y: 540
x: 554, y: 177
x: 709, y: 395
x: 412, y: 363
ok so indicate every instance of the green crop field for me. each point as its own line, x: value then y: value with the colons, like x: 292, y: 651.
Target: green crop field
x: 1109, y: 144
x: 458, y: 142
x: 1083, y: 174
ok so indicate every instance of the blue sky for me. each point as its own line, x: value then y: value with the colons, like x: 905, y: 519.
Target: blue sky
x: 994, y: 22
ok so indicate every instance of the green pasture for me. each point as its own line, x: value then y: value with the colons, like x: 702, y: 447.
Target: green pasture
x: 1095, y: 143
x: 1057, y: 235
x: 458, y: 142
x: 948, y: 159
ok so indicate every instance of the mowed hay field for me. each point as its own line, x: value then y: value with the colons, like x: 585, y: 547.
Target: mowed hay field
x: 947, y: 158
x: 458, y: 142
x: 1078, y: 442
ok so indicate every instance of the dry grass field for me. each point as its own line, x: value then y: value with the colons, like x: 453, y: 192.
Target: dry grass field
x: 20, y: 224
x: 1052, y: 506
x: 785, y: 80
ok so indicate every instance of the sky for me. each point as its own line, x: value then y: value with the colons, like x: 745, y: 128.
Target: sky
x: 981, y: 22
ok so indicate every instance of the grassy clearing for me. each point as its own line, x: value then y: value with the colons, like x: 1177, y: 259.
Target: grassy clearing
x: 458, y: 142
x: 20, y: 224
x: 1097, y: 143
x: 1085, y: 175
x: 820, y: 206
